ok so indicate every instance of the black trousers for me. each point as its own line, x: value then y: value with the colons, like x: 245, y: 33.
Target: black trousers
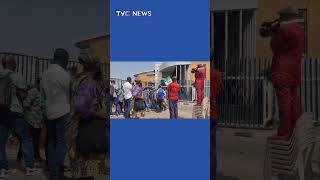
x: 160, y: 104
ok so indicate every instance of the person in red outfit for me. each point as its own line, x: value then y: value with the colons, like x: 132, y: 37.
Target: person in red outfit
x: 173, y: 96
x: 288, y: 45
x: 216, y: 82
x: 200, y: 76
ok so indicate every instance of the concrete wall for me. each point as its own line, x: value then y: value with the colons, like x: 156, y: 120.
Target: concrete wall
x: 146, y: 77
x: 313, y: 28
x: 267, y: 11
x: 102, y: 47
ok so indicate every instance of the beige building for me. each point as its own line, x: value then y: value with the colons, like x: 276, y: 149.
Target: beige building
x: 310, y: 19
x: 101, y: 46
x: 146, y: 77
x: 180, y: 69
x: 235, y: 26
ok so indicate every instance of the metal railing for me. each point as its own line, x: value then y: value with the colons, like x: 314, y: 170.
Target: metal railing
x: 188, y: 91
x: 32, y: 67
x: 248, y: 98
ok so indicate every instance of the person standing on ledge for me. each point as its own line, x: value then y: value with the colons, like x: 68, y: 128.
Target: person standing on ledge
x: 200, y: 76
x: 288, y: 45
x: 215, y: 90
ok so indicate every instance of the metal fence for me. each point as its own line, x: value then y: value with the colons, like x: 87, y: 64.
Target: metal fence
x: 248, y: 98
x: 188, y: 91
x: 31, y: 67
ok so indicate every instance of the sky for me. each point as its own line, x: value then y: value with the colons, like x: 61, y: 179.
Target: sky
x: 122, y: 70
x: 37, y: 27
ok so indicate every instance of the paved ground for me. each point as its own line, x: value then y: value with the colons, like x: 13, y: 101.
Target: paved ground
x: 19, y: 175
x: 242, y: 158
x: 240, y: 155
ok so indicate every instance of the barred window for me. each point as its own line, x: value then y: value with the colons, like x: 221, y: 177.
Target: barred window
x: 233, y: 37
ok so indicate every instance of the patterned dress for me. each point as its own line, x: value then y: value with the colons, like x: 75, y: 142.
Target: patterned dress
x: 87, y: 97
x: 33, y: 110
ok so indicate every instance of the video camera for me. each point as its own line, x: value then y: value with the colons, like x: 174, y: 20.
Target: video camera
x: 194, y: 70
x: 269, y: 28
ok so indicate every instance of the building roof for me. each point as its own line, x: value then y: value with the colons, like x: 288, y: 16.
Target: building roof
x: 170, y: 66
x: 83, y: 44
x: 144, y: 72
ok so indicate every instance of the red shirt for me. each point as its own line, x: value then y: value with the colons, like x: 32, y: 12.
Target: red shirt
x: 216, y: 82
x: 173, y: 91
x: 200, y: 76
x: 288, y: 46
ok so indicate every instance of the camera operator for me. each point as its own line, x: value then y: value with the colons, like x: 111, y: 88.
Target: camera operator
x: 287, y: 44
x: 200, y: 76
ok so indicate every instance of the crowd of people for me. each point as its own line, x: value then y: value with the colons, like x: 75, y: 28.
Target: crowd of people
x: 50, y: 115
x: 132, y: 100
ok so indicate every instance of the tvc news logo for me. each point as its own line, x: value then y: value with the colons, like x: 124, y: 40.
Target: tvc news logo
x: 134, y: 13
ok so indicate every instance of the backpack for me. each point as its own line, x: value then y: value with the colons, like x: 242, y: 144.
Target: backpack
x: 119, y: 92
x: 161, y: 94
x: 6, y: 93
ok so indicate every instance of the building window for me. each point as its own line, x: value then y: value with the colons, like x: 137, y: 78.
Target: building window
x: 233, y: 36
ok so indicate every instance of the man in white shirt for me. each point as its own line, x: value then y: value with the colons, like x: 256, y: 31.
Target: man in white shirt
x: 127, y: 89
x: 12, y: 117
x: 56, y: 91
